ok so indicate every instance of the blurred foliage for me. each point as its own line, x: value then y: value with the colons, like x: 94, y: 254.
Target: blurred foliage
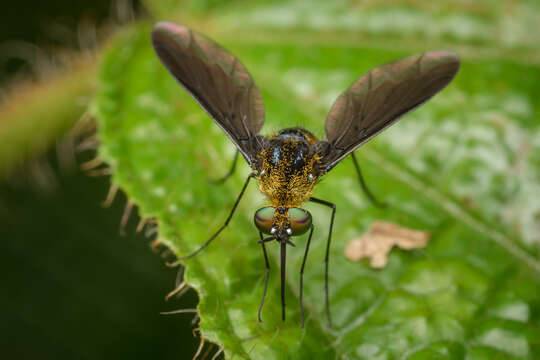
x: 72, y: 286
x: 464, y: 167
x: 33, y: 118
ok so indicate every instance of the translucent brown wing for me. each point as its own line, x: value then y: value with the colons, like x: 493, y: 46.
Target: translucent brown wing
x: 380, y: 97
x: 215, y: 79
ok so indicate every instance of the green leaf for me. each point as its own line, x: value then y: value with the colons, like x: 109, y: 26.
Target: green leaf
x: 465, y: 167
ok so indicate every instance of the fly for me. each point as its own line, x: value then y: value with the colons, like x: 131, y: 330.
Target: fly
x: 288, y: 165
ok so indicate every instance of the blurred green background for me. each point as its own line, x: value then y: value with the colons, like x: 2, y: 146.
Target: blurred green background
x: 466, y: 167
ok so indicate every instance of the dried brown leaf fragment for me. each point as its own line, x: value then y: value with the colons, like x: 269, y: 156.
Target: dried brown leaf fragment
x: 377, y: 242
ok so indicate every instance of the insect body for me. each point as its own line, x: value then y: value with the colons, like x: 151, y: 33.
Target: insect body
x: 289, y: 164
x: 288, y: 167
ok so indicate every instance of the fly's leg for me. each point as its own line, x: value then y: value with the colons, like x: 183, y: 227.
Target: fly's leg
x: 265, y: 276
x: 327, y: 255
x: 226, y: 221
x: 283, y: 262
x: 229, y: 173
x: 366, y: 190
x: 302, y: 276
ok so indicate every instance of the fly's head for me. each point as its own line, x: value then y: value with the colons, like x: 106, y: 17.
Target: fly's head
x: 282, y: 223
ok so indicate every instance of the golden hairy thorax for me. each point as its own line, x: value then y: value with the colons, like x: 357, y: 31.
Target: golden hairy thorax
x: 288, y: 168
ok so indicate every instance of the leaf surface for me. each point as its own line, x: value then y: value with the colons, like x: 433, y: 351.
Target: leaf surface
x: 465, y: 167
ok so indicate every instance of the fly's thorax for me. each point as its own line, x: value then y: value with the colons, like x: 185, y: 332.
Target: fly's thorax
x: 289, y: 167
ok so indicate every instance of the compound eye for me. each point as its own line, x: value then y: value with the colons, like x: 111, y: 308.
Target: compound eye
x: 299, y: 220
x: 263, y: 219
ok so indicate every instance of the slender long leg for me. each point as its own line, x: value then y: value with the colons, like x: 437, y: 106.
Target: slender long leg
x: 265, y: 276
x: 226, y: 221
x: 283, y: 256
x: 326, y: 257
x: 302, y: 276
x: 366, y: 190
x: 221, y: 180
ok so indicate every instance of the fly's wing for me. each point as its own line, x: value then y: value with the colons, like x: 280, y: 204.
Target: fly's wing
x: 379, y: 98
x: 215, y: 79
